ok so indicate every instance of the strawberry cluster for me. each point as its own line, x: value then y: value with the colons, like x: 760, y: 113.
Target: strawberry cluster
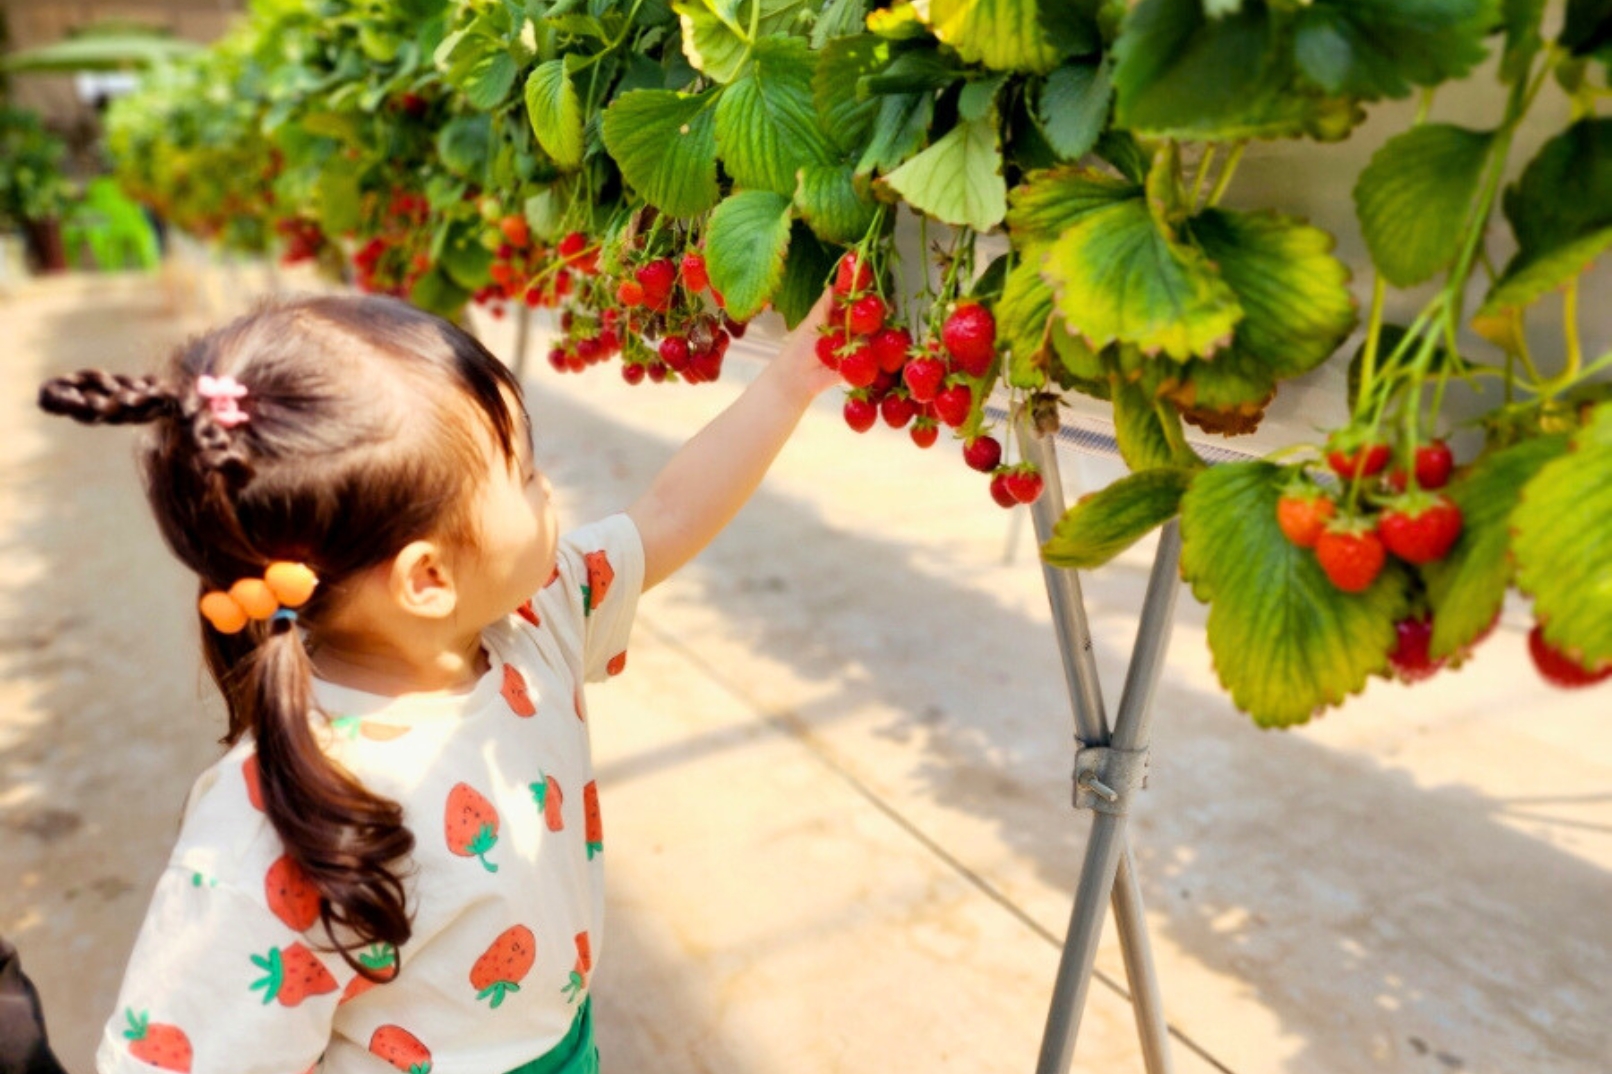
x: 665, y: 305
x: 918, y: 388
x: 532, y: 272
x: 390, y: 262
x: 303, y: 239
x: 1417, y: 525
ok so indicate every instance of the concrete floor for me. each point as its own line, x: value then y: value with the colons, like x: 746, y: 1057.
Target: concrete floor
x: 836, y: 775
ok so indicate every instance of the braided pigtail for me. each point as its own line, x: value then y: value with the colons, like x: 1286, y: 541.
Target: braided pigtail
x: 96, y: 397
x: 344, y: 837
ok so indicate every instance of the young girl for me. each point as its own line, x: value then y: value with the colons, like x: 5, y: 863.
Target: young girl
x: 397, y: 862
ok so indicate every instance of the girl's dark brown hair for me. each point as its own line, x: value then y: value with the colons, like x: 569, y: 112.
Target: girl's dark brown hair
x: 367, y: 419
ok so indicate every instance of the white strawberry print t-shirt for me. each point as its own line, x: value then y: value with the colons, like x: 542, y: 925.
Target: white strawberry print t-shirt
x: 504, y: 883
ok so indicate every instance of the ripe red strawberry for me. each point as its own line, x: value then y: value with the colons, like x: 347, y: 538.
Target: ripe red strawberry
x: 953, y: 404
x: 1351, y: 555
x: 853, y: 275
x: 515, y: 693
x: 859, y: 368
x: 1559, y: 669
x: 828, y: 348
x: 506, y: 962
x: 983, y: 453
x: 515, y: 230
x: 866, y: 315
x: 1367, y: 460
x: 630, y: 293
x: 890, y: 347
x: 291, y: 895
x: 1419, y: 528
x: 657, y: 278
x: 592, y: 820
x: 860, y: 412
x: 291, y: 975
x: 1433, y: 464
x: 402, y: 1049
x: 999, y: 490
x: 705, y: 366
x: 1024, y: 483
x: 156, y: 1044
x: 470, y: 824
x: 969, y: 335
x: 922, y: 377
x: 694, y: 274
x: 1303, y: 517
x: 1410, y: 659
x: 897, y: 409
x: 924, y: 431
x: 674, y: 351
x: 572, y: 244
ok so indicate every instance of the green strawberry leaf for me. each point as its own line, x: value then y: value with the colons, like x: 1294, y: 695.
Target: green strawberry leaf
x: 829, y: 201
x: 1467, y: 586
x: 1105, y: 523
x: 745, y: 247
x: 1073, y: 108
x: 1563, y: 544
x: 465, y: 146
x: 846, y: 117
x: 665, y: 145
x: 1120, y: 277
x: 555, y: 113
x: 1179, y: 73
x: 1381, y: 48
x: 1415, y: 196
x: 340, y: 201
x: 958, y: 180
x: 1587, y: 28
x: 766, y: 129
x: 900, y: 130
x: 1139, y: 428
x: 714, y: 45
x: 1048, y: 202
x: 1022, y: 317
x: 1286, y: 643
x: 1565, y: 192
x: 1521, y: 19
x: 1003, y: 35
x: 806, y: 271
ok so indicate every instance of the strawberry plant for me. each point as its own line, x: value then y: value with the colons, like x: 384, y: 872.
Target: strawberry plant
x: 659, y: 174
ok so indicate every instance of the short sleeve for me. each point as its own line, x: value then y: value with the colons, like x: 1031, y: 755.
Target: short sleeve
x: 218, y: 983
x: 590, y: 602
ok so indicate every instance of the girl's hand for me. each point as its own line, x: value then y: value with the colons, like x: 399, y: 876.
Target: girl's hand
x: 799, y: 353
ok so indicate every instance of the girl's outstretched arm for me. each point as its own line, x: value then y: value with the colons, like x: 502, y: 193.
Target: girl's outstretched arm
x: 714, y: 473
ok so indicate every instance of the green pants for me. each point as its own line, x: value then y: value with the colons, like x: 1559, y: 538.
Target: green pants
x: 576, y: 1054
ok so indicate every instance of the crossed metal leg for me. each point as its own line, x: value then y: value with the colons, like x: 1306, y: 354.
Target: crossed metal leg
x: 1109, y: 769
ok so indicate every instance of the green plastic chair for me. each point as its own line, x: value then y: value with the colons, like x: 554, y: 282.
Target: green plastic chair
x: 114, y: 229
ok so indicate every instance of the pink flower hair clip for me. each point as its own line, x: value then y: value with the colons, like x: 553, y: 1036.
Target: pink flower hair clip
x: 223, y: 395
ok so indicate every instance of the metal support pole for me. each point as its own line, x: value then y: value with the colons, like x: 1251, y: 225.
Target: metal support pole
x: 1106, y: 874
x: 523, y: 331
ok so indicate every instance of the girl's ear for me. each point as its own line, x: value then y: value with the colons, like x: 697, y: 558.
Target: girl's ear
x: 421, y: 581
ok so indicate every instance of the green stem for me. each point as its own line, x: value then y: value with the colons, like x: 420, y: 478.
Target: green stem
x: 1374, y: 332
x: 1202, y: 174
x: 1226, y: 172
x: 1574, y: 346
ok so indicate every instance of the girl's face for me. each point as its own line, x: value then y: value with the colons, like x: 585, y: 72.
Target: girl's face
x: 516, y: 535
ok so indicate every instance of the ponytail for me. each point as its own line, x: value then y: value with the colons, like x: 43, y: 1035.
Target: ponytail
x: 346, y: 839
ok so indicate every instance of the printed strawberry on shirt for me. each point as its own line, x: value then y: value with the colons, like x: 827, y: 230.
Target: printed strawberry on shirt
x: 401, y: 1048
x: 506, y: 962
x: 471, y: 824
x: 600, y: 575
x: 163, y: 1046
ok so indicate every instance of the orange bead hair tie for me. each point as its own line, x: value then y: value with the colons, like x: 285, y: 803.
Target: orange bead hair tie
x: 283, y: 585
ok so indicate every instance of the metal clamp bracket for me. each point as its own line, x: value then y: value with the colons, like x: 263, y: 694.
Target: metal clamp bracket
x: 1105, y: 777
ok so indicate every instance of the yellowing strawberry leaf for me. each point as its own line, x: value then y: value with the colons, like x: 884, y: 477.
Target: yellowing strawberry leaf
x: 1526, y: 280
x: 958, y: 180
x: 1119, y: 277
x: 665, y: 145
x: 1040, y: 208
x: 1073, y: 108
x: 766, y: 129
x: 714, y: 44
x: 1022, y: 316
x: 745, y: 248
x: 1562, y: 542
x: 1104, y: 524
x: 1286, y: 642
x: 555, y: 113
x: 828, y: 201
x: 1467, y: 586
x: 1381, y: 48
x: 1414, y: 198
x: 1004, y: 35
